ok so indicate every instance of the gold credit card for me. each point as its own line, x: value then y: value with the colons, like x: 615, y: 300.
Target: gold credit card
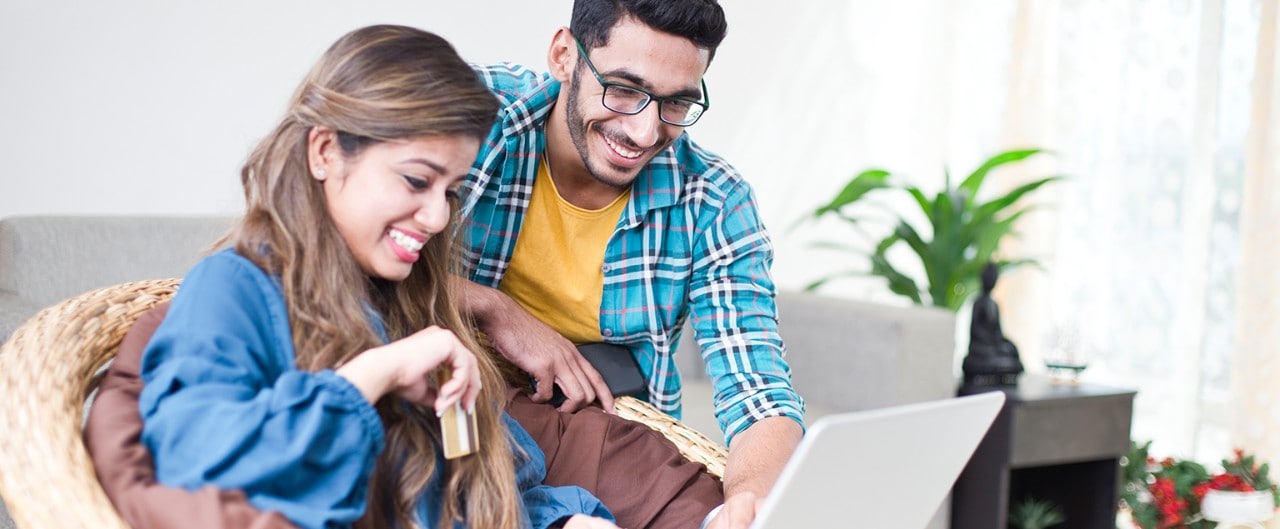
x: 457, y: 427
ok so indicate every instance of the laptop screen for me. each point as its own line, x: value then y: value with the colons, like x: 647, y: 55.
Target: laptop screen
x: 888, y: 467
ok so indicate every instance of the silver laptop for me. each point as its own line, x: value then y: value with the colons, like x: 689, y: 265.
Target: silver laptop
x: 889, y: 467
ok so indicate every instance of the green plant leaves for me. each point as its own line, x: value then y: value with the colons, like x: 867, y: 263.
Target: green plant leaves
x: 866, y: 182
x: 961, y: 236
x: 974, y: 181
x: 1033, y: 513
x: 899, y: 283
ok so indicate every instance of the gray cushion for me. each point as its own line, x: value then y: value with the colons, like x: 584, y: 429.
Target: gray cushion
x: 46, y: 259
x: 849, y: 355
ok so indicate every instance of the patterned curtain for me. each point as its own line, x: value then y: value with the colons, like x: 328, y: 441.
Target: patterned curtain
x: 1160, y: 259
x: 1256, y: 362
x: 1158, y: 263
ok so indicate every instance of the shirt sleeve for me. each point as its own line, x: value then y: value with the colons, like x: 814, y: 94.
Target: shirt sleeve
x: 224, y: 404
x: 546, y: 504
x: 734, y: 316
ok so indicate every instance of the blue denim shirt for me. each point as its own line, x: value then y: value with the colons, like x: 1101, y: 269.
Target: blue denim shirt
x: 225, y: 404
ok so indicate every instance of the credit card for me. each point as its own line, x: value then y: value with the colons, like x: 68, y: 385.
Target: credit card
x: 457, y: 426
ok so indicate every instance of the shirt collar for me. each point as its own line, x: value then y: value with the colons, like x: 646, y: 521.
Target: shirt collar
x: 529, y: 113
x: 658, y: 185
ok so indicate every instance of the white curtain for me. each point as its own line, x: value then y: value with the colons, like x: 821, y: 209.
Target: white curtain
x: 1161, y: 264
x: 1159, y: 259
x: 1256, y: 359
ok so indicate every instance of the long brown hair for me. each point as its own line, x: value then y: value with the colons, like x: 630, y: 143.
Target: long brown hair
x: 376, y: 84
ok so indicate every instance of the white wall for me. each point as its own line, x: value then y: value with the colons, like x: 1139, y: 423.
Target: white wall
x: 150, y: 106
x: 141, y: 106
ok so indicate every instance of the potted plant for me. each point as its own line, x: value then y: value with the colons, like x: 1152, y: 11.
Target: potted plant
x: 1183, y: 493
x: 1032, y: 513
x: 961, y: 236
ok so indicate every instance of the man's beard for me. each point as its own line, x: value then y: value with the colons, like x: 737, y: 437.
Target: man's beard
x: 578, y: 133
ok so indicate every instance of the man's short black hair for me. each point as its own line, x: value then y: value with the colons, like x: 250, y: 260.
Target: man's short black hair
x: 700, y: 21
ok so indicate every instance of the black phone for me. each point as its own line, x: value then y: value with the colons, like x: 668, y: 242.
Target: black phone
x: 616, y: 365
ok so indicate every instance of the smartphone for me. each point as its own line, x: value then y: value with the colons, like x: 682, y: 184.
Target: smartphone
x: 616, y: 365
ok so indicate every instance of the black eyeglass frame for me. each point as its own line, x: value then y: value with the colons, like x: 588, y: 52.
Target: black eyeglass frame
x: 649, y: 96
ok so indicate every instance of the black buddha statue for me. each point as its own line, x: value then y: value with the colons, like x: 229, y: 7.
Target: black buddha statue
x: 992, y: 359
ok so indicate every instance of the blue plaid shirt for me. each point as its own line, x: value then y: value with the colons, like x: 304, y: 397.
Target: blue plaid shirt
x: 689, y: 244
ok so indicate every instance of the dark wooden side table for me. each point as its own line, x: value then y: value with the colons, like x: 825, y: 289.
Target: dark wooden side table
x: 1055, y: 442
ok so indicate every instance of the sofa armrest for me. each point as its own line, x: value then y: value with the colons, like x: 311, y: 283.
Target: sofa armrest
x: 14, y: 311
x: 854, y: 355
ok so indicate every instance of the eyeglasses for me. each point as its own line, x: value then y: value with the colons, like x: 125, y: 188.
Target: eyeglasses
x: 626, y: 99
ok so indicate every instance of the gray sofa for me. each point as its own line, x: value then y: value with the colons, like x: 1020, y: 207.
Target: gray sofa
x: 44, y: 260
x: 845, y: 355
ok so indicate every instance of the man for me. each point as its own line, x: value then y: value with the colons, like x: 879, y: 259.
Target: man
x: 591, y: 216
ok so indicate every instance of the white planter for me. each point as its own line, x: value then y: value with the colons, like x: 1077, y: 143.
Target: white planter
x: 1238, y: 507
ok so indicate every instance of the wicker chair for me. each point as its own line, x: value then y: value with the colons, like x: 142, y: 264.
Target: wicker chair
x: 52, y: 364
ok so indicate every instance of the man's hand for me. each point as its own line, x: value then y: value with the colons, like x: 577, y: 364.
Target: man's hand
x: 536, y: 348
x: 542, y: 352
x: 582, y: 521
x: 738, y: 512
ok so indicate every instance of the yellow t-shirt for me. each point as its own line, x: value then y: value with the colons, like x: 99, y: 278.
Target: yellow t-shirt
x: 556, y: 267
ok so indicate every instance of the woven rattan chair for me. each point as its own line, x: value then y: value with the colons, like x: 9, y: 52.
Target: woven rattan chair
x: 50, y: 366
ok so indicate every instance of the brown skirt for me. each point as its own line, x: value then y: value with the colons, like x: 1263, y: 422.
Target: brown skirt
x: 637, y: 473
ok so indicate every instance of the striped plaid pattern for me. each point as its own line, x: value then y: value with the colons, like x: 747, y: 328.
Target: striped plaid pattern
x: 690, y: 244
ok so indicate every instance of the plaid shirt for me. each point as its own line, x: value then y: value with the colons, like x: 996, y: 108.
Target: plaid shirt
x: 689, y: 244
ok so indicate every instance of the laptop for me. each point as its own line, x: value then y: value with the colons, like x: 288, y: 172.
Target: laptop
x: 888, y: 467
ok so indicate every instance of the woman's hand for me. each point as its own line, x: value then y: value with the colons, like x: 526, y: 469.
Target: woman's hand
x: 582, y: 521
x: 405, y: 367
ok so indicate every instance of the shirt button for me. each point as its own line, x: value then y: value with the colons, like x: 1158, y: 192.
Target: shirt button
x: 607, y: 332
x: 604, y: 268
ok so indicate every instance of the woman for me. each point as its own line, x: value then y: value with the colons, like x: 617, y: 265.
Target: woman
x: 297, y: 365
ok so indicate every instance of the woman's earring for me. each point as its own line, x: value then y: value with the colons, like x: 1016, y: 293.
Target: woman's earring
x: 319, y: 174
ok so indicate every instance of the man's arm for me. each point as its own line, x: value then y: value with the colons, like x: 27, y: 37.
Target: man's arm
x: 533, y: 346
x: 756, y: 458
x: 734, y: 314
